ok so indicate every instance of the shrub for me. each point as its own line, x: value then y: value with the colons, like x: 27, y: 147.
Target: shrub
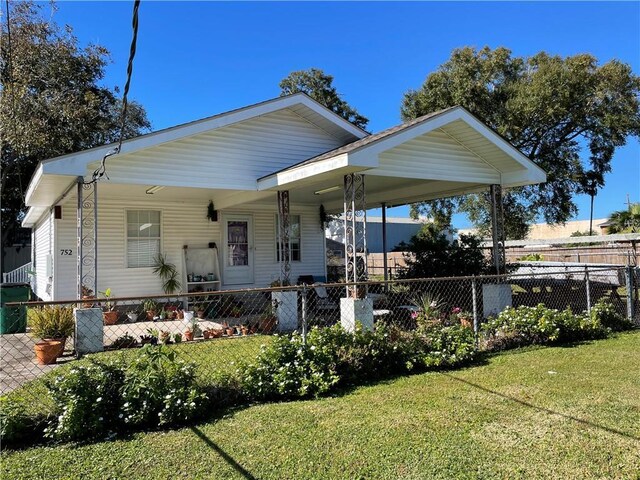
x: 288, y: 368
x: 607, y: 315
x: 100, y: 398
x: 51, y: 321
x: 160, y: 389
x: 88, y: 399
x: 447, y: 346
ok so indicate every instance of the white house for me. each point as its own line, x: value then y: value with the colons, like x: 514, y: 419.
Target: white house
x: 159, y: 187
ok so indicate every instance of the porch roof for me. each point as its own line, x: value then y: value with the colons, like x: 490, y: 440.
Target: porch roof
x: 441, y: 154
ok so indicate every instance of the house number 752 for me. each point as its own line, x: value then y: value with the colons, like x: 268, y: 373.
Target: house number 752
x: 66, y: 252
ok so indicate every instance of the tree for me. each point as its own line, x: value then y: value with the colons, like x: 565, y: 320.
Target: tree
x: 432, y: 254
x: 548, y: 107
x: 319, y: 86
x: 625, y: 221
x: 51, y: 103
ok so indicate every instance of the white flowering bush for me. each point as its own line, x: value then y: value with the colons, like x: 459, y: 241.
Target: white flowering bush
x: 289, y: 368
x: 88, y: 399
x: 159, y: 389
x: 99, y: 399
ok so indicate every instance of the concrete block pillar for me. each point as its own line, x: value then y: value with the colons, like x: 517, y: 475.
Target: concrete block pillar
x: 285, y: 304
x: 354, y: 310
x: 89, y: 333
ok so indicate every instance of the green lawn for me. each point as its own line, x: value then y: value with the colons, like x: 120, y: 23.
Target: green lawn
x: 562, y: 412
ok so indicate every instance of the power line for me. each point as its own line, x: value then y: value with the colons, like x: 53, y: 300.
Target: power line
x: 102, y: 170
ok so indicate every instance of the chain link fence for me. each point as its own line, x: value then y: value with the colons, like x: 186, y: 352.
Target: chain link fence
x: 219, y: 330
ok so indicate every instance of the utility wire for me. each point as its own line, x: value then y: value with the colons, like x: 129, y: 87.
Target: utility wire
x: 102, y: 169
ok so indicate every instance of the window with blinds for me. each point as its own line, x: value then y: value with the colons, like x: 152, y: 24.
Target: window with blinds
x: 294, y: 238
x: 143, y: 237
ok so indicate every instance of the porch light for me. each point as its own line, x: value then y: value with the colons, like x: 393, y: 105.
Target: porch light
x: 327, y: 190
x: 154, y: 189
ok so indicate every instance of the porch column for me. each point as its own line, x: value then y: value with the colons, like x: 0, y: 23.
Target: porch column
x: 355, y: 230
x: 284, y: 235
x: 384, y: 245
x: 497, y: 228
x: 87, y: 225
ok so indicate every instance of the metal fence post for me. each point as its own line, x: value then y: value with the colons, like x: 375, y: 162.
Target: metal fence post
x: 304, y: 313
x: 628, y: 273
x: 474, y: 299
x: 587, y: 286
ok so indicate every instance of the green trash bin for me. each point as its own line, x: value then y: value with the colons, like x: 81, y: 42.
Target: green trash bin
x: 13, y: 319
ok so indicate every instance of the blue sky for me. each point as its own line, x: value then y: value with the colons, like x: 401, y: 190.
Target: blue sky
x: 197, y: 59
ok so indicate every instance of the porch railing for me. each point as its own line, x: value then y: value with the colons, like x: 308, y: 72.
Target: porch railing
x: 19, y: 275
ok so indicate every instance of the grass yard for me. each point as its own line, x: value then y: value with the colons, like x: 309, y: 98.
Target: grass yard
x: 561, y: 412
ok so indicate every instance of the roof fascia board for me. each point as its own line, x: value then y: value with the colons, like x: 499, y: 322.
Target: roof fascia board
x: 33, y: 216
x: 303, y: 171
x: 76, y: 163
x: 33, y: 184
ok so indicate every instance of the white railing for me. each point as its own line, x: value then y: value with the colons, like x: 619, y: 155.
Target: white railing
x: 19, y: 275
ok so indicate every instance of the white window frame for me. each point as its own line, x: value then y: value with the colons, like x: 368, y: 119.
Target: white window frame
x: 277, y: 238
x: 126, y: 234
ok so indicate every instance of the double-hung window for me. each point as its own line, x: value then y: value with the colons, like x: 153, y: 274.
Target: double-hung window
x: 295, y: 243
x: 143, y: 237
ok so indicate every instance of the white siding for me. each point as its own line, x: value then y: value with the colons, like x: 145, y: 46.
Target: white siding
x: 66, y: 266
x: 183, y: 224
x: 232, y: 157
x: 43, y: 249
x: 435, y: 156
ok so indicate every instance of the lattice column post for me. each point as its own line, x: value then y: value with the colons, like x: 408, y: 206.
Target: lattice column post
x: 284, y: 236
x: 87, y: 224
x: 355, y: 231
x: 497, y: 229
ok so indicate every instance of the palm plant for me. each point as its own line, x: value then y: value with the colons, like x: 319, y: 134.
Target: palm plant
x: 167, y: 273
x: 625, y: 221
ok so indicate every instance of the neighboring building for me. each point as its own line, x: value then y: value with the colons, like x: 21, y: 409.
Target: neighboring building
x: 159, y: 187
x: 398, y: 230
x: 544, y: 231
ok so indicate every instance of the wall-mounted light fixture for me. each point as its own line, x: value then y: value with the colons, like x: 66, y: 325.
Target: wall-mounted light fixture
x: 327, y: 190
x: 154, y: 189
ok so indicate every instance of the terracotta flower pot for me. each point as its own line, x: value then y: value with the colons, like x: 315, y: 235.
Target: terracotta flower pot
x: 244, y: 330
x: 110, y: 317
x: 88, y: 304
x: 230, y: 331
x: 61, y: 340
x: 150, y: 315
x: 47, y: 352
x: 188, y: 336
x: 206, y: 334
x: 215, y: 332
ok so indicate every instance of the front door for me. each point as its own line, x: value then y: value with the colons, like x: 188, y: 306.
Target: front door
x: 238, y: 249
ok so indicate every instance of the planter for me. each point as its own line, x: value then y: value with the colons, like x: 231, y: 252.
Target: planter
x: 267, y: 324
x: 110, y: 317
x: 230, y: 331
x: 61, y: 340
x: 151, y: 315
x: 244, y: 330
x: 188, y: 336
x: 206, y: 334
x: 88, y: 304
x: 47, y: 352
x: 215, y: 332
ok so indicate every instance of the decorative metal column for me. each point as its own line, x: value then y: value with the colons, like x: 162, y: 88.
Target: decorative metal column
x: 497, y: 228
x: 355, y: 234
x: 87, y: 237
x: 284, y: 234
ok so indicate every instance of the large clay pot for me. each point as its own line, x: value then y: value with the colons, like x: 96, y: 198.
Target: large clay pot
x: 110, y: 317
x: 188, y: 335
x: 47, y: 351
x: 61, y: 340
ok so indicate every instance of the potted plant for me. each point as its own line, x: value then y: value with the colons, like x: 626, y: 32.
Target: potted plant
x: 52, y: 324
x: 177, y: 337
x: 151, y: 338
x: 215, y: 332
x: 200, y: 310
x: 267, y: 321
x: 206, y: 333
x: 151, y: 307
x: 165, y: 337
x: 230, y: 331
x: 87, y: 294
x: 244, y: 330
x: 125, y: 341
x: 167, y: 273
x: 110, y: 314
x: 193, y: 330
x: 132, y: 316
